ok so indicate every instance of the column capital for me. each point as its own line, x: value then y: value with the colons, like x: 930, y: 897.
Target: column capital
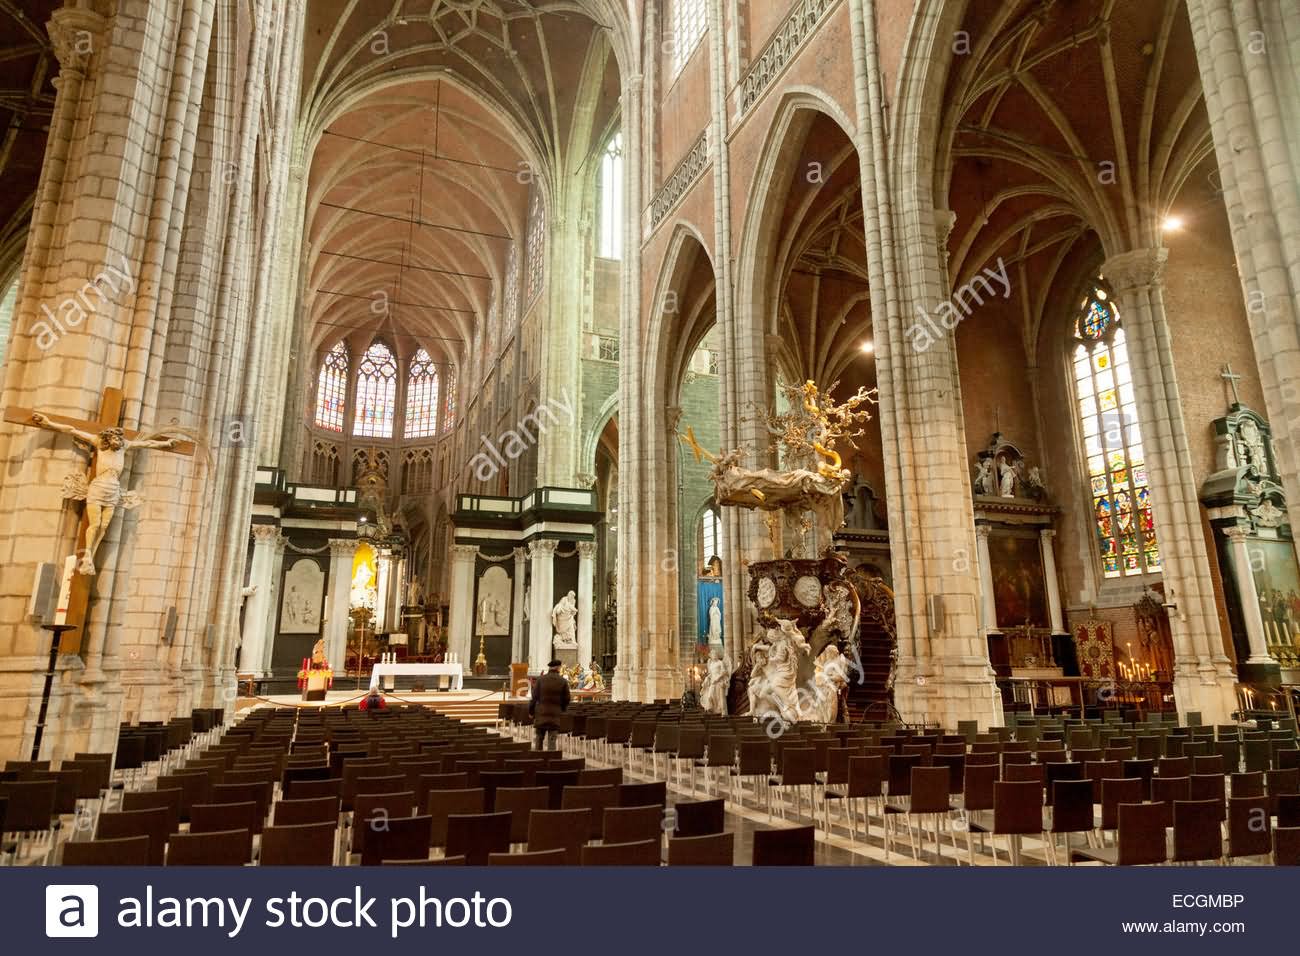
x: 1139, y: 269
x: 542, y: 546
x: 520, y: 554
x: 1047, y: 533
x: 75, y: 35
x: 944, y: 220
x: 983, y: 529
x: 343, y: 547
x: 1237, y: 533
x: 464, y: 552
x: 265, y: 533
x: 586, y: 549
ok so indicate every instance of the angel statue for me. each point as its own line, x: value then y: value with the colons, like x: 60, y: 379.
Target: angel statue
x: 717, y: 677
x: 103, y: 492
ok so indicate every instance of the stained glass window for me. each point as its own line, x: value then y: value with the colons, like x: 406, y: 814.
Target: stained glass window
x: 511, y: 298
x: 449, y: 407
x: 710, y: 537
x: 688, y: 19
x: 611, y: 199
x: 376, y: 393
x: 1112, y: 438
x: 534, y: 263
x: 421, y: 397
x: 332, y: 389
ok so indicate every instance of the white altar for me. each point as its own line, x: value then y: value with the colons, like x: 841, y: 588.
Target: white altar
x: 454, y: 671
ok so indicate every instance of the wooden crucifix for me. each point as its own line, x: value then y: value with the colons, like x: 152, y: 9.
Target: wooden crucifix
x: 102, y: 493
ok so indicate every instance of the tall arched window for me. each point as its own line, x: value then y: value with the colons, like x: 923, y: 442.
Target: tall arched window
x: 376, y: 393
x: 421, y: 397
x: 710, y: 543
x: 449, y: 404
x: 687, y: 21
x: 611, y: 199
x: 1112, y: 437
x: 332, y: 389
x: 536, y: 246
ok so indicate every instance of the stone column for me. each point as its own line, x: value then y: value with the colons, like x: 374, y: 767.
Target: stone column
x: 518, y: 652
x: 542, y: 554
x: 1203, y: 676
x: 257, y: 610
x: 1045, y: 538
x: 586, y: 569
x: 337, y: 623
x: 1241, y: 569
x: 273, y: 608
x: 383, y: 585
x: 460, y: 627
x: 988, y: 608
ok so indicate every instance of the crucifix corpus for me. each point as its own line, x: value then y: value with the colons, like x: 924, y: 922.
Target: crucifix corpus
x: 99, y: 486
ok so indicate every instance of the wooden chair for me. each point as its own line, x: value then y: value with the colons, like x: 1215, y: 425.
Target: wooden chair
x: 373, y: 812
x: 557, y: 781
x: 714, y: 849
x: 300, y: 844
x: 295, y: 812
x: 148, y: 799
x: 311, y: 789
x: 559, y: 830
x: 1017, y: 811
x: 930, y: 786
x: 1249, y: 827
x: 125, y: 851
x: 1198, y: 834
x: 218, y: 848
x: 154, y: 824
x: 789, y: 846
x: 633, y: 824
x: 401, y: 838
x: 478, y: 835
x: 215, y: 817
x: 699, y: 817
x: 608, y: 777
x: 643, y: 794
x: 1072, y: 812
x: 1286, y: 846
x: 643, y: 853
x: 257, y: 793
x: 1140, y: 840
x: 1113, y: 793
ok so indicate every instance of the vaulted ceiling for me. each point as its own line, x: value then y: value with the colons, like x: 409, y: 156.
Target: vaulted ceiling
x: 434, y: 119
x: 1070, y: 129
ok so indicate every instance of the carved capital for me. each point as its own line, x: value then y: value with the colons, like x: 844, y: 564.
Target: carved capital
x: 343, y: 547
x: 1047, y: 534
x: 672, y: 418
x: 265, y: 533
x: 585, y: 480
x: 464, y: 552
x: 1236, y: 533
x: 983, y: 530
x: 1139, y: 269
x: 944, y: 220
x: 542, y: 547
x: 76, y: 36
x: 520, y: 554
x: 586, y: 549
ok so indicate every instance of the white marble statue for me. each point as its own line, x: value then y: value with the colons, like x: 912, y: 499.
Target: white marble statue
x: 757, y: 686
x: 715, y: 621
x: 984, y: 477
x: 564, y: 619
x: 829, y: 679
x: 713, y: 689
x: 101, y: 489
x: 785, y: 646
x: 1008, y: 473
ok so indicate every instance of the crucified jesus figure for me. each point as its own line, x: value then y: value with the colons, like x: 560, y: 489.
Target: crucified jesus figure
x: 103, y: 492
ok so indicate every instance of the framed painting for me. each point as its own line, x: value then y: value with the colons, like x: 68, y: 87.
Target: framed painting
x: 1019, y: 589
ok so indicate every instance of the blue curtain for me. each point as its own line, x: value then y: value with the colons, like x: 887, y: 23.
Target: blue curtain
x: 705, y: 589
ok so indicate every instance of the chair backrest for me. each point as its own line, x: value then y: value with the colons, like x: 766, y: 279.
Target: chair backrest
x: 1072, y: 806
x: 154, y: 823
x: 538, y: 858
x: 713, y: 849
x: 1025, y: 773
x: 148, y: 799
x: 788, y: 846
x: 373, y: 812
x: 216, y: 848
x: 699, y: 817
x: 1142, y: 834
x: 1249, y: 826
x: 559, y: 830
x: 300, y: 844
x: 478, y: 835
x: 595, y: 798
x: 308, y: 789
x: 1249, y: 784
x: 440, y: 804
x: 1286, y: 807
x: 633, y: 824
x: 316, y: 810
x: 722, y: 750
x: 1017, y: 807
x: 605, y: 777
x: 978, y: 791
x: 401, y: 838
x: 930, y: 790
x: 1197, y: 834
x: 557, y: 781
x: 1168, y: 789
x: 520, y: 802
x: 899, y: 774
x: 1286, y: 846
x: 124, y: 851
x: 30, y: 804
x: 755, y: 756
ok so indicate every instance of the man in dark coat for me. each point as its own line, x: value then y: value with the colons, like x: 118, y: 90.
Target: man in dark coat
x: 550, y: 699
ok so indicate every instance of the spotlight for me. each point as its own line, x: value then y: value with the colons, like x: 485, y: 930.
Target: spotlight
x: 1172, y: 224
x: 868, y: 346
